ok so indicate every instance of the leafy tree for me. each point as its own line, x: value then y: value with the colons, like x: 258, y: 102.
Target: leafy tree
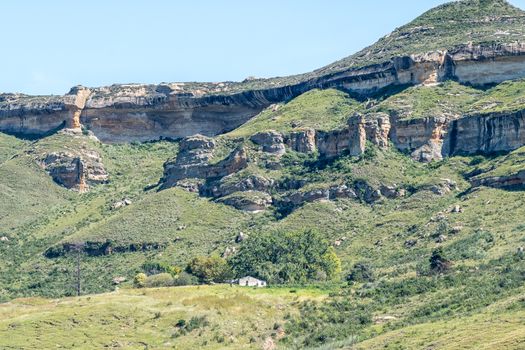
x: 438, y: 262
x: 210, y: 268
x: 153, y: 268
x: 289, y: 257
x: 360, y: 273
x: 139, y: 281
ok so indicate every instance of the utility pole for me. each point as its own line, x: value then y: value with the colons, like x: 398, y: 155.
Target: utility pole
x: 78, y: 250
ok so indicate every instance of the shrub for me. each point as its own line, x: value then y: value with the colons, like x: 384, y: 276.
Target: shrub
x: 438, y: 262
x: 154, y: 268
x: 210, y: 269
x: 139, y: 281
x: 161, y: 280
x: 360, y: 273
x: 295, y: 257
x: 185, y: 279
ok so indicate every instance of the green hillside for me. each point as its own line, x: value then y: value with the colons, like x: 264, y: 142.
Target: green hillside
x: 374, y: 251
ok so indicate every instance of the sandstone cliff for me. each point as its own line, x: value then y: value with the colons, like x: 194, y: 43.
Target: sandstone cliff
x: 123, y: 113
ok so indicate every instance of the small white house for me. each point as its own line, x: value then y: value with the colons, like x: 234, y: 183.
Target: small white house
x: 250, y: 281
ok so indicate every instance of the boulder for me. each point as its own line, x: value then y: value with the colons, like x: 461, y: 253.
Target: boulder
x: 271, y: 142
x: 240, y: 237
x: 118, y: 280
x: 120, y: 204
x: 341, y: 191
x: 302, y: 141
x: 392, y: 192
x: 409, y: 243
x: 250, y: 201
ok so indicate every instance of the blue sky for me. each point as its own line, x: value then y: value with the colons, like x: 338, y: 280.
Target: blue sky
x: 49, y: 46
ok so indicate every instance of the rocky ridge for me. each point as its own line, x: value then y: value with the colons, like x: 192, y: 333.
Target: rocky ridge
x: 134, y: 112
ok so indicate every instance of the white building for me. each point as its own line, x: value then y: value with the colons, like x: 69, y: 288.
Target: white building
x: 250, y: 281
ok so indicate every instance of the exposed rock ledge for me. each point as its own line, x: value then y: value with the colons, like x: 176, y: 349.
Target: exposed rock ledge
x: 123, y: 113
x: 513, y: 181
x: 75, y: 171
x: 193, y: 162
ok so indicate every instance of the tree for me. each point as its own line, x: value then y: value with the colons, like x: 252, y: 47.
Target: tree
x: 154, y: 268
x: 210, y: 269
x: 140, y: 280
x: 438, y: 262
x: 361, y: 273
x: 287, y: 257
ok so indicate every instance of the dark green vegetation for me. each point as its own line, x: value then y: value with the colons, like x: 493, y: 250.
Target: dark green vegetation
x: 282, y: 257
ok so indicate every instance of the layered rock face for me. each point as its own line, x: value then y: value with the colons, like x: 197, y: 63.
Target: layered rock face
x: 422, y: 138
x: 486, y: 133
x: 193, y: 161
x: 351, y: 139
x: 514, y: 181
x: 74, y: 171
x: 124, y: 113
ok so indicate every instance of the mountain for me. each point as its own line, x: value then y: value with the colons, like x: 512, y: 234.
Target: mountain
x: 406, y: 159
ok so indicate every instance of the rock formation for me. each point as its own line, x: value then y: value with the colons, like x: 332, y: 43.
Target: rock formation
x: 250, y: 201
x: 513, y: 181
x: 124, y: 113
x: 76, y: 171
x: 193, y: 161
x: 349, y: 140
x: 302, y: 141
x: 271, y: 142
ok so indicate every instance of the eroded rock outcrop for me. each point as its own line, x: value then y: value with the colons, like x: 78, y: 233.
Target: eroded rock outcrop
x: 302, y: 141
x: 76, y: 171
x: 193, y: 161
x: 486, y: 133
x: 350, y: 140
x: 377, y: 129
x: 250, y: 201
x: 423, y: 138
x: 250, y: 183
x: 270, y: 141
x: 512, y: 181
x: 138, y: 112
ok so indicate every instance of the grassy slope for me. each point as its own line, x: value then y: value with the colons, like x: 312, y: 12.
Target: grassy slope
x: 500, y: 326
x: 448, y: 99
x: 239, y: 318
x: 318, y: 109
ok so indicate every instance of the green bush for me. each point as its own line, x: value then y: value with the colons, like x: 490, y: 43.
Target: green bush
x: 360, y: 273
x: 154, y: 268
x: 140, y: 280
x: 293, y: 257
x: 210, y: 269
x: 161, y: 280
x: 185, y: 279
x: 438, y: 262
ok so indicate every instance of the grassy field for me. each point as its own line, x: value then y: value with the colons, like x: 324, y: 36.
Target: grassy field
x: 230, y: 317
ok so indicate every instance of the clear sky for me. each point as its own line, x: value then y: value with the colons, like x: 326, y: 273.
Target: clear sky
x: 49, y: 46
